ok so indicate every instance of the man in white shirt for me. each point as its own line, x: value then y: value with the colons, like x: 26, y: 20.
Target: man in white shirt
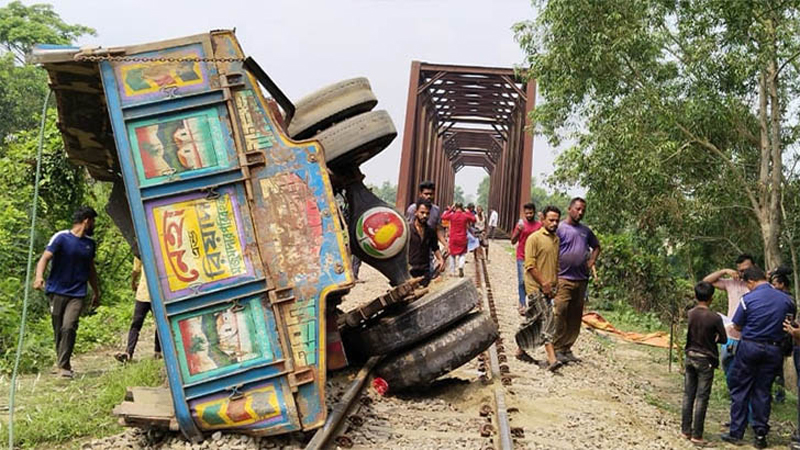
x: 736, y: 288
x: 492, y: 225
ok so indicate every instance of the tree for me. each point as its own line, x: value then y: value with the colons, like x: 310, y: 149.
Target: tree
x: 458, y: 195
x: 63, y: 186
x: 483, y: 192
x: 23, y: 87
x: 683, y: 111
x: 386, y: 192
x: 22, y: 27
x: 541, y: 198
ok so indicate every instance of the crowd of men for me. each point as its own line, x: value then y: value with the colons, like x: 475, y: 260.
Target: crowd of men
x: 554, y: 261
x: 756, y: 335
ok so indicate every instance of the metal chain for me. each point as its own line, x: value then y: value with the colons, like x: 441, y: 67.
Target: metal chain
x: 95, y: 58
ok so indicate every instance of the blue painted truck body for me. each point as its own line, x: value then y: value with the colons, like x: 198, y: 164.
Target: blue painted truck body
x: 236, y: 224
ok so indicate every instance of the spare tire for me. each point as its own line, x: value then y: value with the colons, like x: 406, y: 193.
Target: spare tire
x: 440, y: 354
x: 335, y: 103
x: 350, y: 143
x: 418, y: 320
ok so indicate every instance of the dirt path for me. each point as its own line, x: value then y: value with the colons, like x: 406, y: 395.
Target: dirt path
x: 595, y: 404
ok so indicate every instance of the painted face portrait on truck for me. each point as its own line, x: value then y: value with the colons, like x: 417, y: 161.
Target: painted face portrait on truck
x: 175, y: 146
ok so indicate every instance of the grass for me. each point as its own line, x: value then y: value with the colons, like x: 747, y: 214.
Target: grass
x: 53, y: 411
x: 666, y: 392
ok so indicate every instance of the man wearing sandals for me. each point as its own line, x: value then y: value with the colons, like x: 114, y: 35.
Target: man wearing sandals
x: 72, y: 252
x: 541, y: 278
x: 579, y: 249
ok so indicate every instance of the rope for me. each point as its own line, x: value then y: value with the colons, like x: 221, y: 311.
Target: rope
x: 13, y: 391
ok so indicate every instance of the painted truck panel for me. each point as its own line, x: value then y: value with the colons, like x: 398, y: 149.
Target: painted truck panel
x: 236, y: 225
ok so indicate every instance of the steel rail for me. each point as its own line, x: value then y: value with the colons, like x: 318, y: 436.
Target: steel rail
x: 503, y: 425
x: 340, y: 410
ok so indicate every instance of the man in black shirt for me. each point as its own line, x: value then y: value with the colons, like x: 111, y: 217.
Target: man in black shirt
x: 422, y: 242
x: 705, y: 331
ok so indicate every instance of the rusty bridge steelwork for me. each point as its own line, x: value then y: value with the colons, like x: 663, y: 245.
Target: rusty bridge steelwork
x: 460, y: 116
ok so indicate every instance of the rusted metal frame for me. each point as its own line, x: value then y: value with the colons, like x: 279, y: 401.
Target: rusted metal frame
x: 503, y: 208
x: 433, y: 111
x: 365, y: 312
x: 430, y: 147
x: 515, y: 195
x: 421, y: 129
x: 446, y: 128
x: 500, y: 132
x: 527, y: 143
x: 516, y: 88
x: 406, y: 177
x: 516, y: 199
x: 430, y: 82
x: 463, y: 119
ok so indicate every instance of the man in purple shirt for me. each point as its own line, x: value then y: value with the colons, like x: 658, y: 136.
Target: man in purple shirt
x: 577, y: 252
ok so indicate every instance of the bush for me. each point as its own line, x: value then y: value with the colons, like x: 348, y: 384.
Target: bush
x: 636, y: 272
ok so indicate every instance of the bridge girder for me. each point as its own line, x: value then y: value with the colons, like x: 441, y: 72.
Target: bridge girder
x: 468, y: 116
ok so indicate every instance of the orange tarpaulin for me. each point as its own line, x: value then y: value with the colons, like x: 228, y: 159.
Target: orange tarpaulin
x: 596, y: 321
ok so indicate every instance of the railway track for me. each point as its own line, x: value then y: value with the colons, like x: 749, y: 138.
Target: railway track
x: 466, y: 408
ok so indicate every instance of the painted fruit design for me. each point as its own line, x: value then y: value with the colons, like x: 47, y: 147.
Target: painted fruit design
x: 381, y: 232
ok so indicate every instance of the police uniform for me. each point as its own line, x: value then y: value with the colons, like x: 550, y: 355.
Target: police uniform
x: 758, y: 359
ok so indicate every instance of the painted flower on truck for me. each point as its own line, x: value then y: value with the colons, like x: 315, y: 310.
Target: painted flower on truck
x: 381, y: 232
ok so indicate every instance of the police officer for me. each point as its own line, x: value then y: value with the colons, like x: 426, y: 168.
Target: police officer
x: 758, y: 359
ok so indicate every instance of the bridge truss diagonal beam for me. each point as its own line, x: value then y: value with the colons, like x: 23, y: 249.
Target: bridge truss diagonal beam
x: 468, y: 116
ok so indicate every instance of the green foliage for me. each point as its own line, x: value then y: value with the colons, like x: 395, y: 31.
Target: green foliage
x: 663, y: 101
x: 458, y: 195
x: 541, y: 198
x: 104, y: 327
x: 386, y: 192
x: 21, y: 27
x: 635, y: 272
x: 23, y: 87
x: 624, y: 317
x: 44, y: 421
x: 63, y: 187
x: 22, y: 91
x: 483, y: 192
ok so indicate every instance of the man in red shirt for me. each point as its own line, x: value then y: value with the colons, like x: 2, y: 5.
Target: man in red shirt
x: 525, y: 227
x: 459, y: 222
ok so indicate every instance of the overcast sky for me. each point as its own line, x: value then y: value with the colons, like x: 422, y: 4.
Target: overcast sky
x: 304, y: 45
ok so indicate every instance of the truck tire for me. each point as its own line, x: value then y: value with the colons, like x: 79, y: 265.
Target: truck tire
x: 456, y: 346
x: 350, y: 143
x: 331, y: 104
x: 418, y: 320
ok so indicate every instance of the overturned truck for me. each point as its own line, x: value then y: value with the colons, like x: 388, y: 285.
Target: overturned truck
x: 229, y: 197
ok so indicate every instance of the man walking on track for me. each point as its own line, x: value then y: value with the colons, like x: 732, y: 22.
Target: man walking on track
x: 421, y: 243
x: 541, y: 278
x: 459, y: 222
x: 759, y: 357
x: 427, y: 190
x: 140, y: 310
x: 578, y: 251
x: 525, y: 227
x: 493, y: 218
x: 72, y: 252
